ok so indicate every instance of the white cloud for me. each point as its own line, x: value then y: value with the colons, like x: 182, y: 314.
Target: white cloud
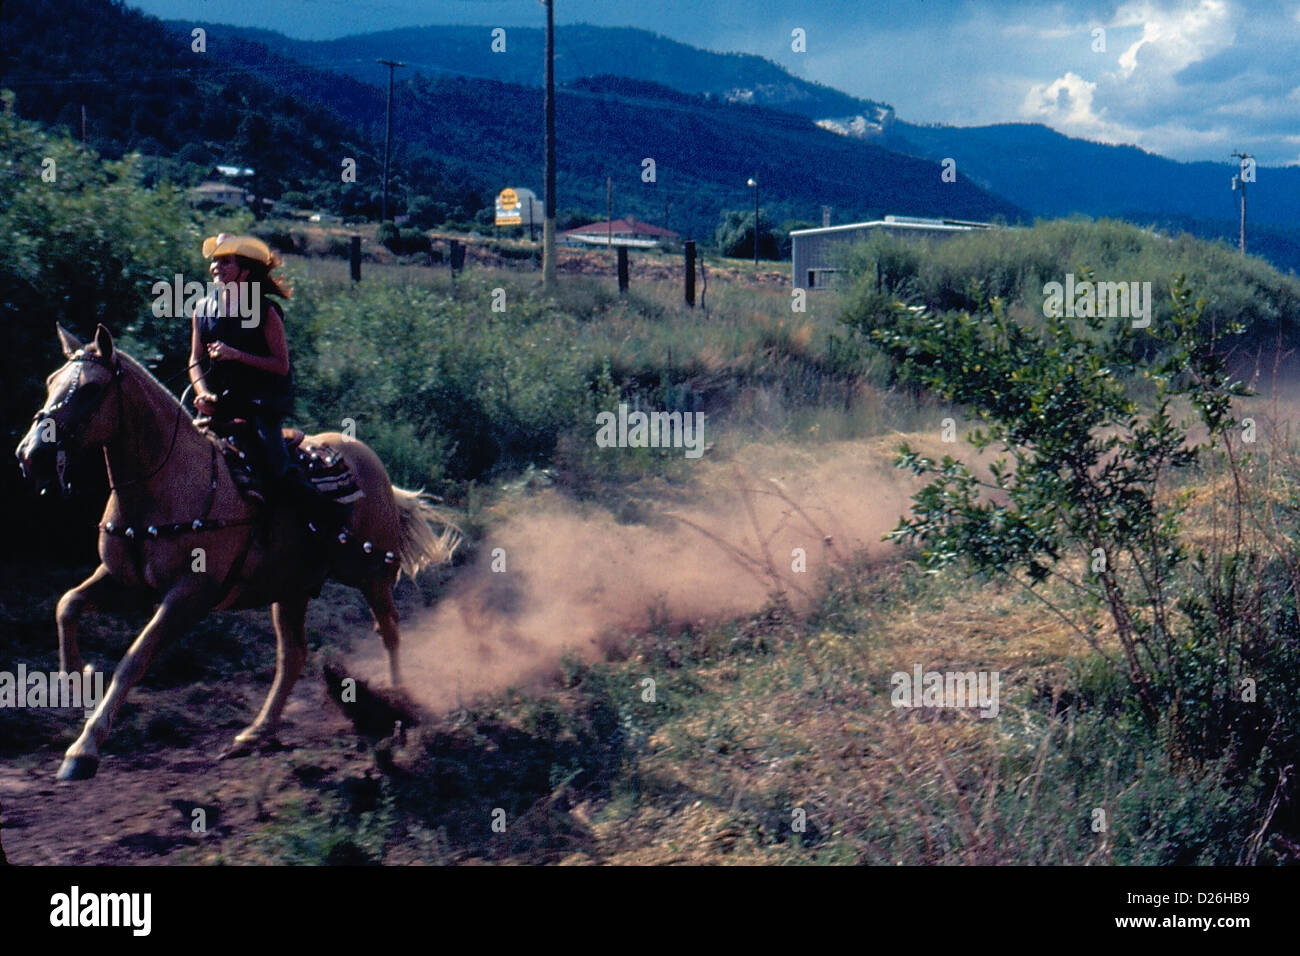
x: 1028, y: 31
x: 1143, y: 99
x: 1065, y: 100
x: 1174, y: 37
x: 1067, y: 104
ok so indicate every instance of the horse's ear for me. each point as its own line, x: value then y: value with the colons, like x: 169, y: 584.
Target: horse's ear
x: 103, y: 342
x: 67, y: 340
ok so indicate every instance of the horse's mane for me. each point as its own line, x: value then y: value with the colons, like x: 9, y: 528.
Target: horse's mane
x: 149, y: 378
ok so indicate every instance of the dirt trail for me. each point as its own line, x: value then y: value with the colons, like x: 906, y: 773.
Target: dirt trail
x: 140, y: 807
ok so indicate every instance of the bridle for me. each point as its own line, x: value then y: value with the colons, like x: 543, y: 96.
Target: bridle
x: 67, y: 433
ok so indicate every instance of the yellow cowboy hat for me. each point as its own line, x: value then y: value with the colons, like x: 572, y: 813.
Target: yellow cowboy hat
x: 249, y: 247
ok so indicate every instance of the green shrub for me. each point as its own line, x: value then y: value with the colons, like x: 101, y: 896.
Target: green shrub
x: 388, y: 234
x: 1085, y: 496
x: 1013, y: 265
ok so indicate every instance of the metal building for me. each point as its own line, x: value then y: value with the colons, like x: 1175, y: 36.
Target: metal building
x: 815, y: 253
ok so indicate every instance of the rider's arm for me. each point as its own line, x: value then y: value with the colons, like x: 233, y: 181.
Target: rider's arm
x: 197, y: 354
x: 277, y: 363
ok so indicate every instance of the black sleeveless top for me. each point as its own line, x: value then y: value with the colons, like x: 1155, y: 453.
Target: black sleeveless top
x: 240, y: 389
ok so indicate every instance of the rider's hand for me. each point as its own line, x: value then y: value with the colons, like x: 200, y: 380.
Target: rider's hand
x: 221, y: 352
x: 205, y: 403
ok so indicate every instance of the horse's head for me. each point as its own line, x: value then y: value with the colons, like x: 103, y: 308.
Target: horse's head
x: 75, y: 415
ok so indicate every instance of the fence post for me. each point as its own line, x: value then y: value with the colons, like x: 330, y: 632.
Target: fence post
x: 690, y: 272
x: 354, y: 254
x: 622, y: 269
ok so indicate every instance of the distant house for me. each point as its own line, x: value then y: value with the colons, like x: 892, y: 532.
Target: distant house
x: 624, y: 232
x: 815, y: 253
x: 212, y: 193
x: 230, y: 172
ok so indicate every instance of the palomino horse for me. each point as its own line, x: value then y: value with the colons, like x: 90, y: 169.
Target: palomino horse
x: 176, y: 527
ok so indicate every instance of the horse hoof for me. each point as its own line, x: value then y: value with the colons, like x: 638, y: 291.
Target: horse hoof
x: 240, y: 748
x: 78, y: 768
x: 246, y: 744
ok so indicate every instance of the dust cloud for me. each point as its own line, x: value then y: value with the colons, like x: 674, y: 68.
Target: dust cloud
x: 575, y: 578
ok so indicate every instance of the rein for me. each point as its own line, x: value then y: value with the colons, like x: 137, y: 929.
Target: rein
x: 176, y: 427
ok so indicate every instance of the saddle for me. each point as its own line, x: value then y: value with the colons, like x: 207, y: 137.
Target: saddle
x: 321, y: 466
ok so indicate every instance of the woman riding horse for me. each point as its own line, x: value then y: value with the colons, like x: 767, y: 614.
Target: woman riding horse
x: 177, y: 532
x: 239, y: 359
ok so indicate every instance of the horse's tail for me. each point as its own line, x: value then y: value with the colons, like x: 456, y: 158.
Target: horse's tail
x: 421, y: 545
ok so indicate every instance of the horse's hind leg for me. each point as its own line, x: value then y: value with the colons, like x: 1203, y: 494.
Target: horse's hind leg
x: 71, y: 606
x: 379, y: 595
x: 290, y: 618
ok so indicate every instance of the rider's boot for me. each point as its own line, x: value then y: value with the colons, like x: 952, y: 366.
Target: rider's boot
x: 322, y: 516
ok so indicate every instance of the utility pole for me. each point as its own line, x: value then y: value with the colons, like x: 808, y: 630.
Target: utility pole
x: 753, y: 182
x: 1240, y: 180
x: 548, y: 227
x: 388, y: 132
x: 609, y: 211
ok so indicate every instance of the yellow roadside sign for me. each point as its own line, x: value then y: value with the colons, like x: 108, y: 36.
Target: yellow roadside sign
x: 517, y: 207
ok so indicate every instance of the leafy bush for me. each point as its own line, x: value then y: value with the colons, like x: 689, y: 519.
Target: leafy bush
x: 1087, y: 498
x: 457, y: 392
x: 85, y: 243
x: 735, y: 236
x: 387, y: 234
x: 1014, y: 264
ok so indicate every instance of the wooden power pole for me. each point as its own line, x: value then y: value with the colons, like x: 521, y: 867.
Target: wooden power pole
x: 388, y: 132
x: 1239, y: 182
x: 548, y: 226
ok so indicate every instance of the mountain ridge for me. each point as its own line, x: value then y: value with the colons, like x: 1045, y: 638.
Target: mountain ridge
x: 1036, y: 168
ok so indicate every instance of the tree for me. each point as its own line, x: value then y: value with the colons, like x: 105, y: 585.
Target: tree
x: 84, y: 247
x: 1090, y: 474
x: 734, y: 236
x: 426, y: 213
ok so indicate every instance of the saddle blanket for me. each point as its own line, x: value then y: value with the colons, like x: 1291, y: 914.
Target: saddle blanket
x: 324, y: 467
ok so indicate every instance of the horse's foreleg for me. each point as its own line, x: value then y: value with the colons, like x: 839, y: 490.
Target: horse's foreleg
x: 290, y: 619
x: 379, y: 595
x: 71, y: 606
x: 181, y: 608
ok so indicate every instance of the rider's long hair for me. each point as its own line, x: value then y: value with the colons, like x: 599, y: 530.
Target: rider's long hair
x: 261, y: 272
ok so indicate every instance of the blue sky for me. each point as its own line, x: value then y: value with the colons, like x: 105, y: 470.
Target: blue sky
x: 1191, y: 79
